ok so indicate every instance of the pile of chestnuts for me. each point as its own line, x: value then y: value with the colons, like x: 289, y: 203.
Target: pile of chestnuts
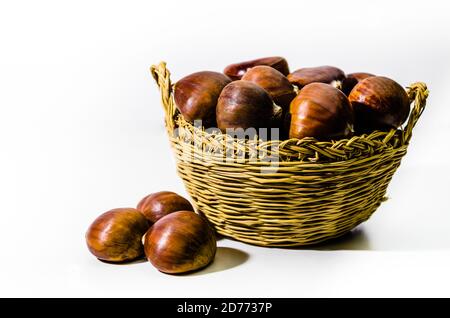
x: 163, y: 227
x: 320, y: 102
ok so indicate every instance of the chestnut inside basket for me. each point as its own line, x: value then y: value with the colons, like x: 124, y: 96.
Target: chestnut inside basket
x: 290, y: 192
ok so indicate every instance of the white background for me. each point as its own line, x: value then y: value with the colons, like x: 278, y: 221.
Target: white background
x: 81, y: 132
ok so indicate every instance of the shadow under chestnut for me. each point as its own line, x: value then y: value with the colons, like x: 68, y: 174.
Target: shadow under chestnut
x: 226, y: 258
x: 139, y: 260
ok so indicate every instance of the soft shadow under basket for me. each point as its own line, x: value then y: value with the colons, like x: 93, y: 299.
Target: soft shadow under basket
x: 312, y: 191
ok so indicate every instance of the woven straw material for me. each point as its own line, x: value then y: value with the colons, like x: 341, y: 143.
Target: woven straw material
x: 285, y: 193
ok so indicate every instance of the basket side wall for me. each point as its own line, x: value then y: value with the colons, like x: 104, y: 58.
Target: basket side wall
x: 292, y: 206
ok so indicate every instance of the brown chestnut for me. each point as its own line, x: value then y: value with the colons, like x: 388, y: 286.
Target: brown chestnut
x: 115, y: 236
x: 379, y: 103
x: 320, y: 111
x: 180, y: 242
x: 320, y: 74
x: 196, y: 95
x: 274, y: 82
x: 243, y: 104
x: 237, y: 70
x: 156, y: 205
x: 352, y: 79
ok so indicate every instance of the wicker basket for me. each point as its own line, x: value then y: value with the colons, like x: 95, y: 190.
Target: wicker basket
x: 285, y: 193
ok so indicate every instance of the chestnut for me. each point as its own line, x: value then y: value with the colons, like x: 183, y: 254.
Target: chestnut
x: 274, y: 82
x: 243, y: 104
x: 156, y: 205
x: 237, y: 70
x: 115, y: 236
x: 379, y: 103
x: 320, y: 111
x: 352, y: 79
x: 320, y: 74
x: 196, y: 95
x: 180, y: 242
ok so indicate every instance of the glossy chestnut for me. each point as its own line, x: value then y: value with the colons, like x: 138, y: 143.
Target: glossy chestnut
x: 115, y: 236
x: 243, y: 104
x: 196, y: 95
x: 379, y: 103
x: 237, y: 70
x: 180, y: 242
x: 320, y: 74
x: 274, y: 82
x: 320, y: 111
x: 156, y: 205
x: 352, y: 79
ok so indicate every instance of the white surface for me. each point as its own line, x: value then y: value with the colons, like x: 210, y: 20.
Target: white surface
x: 82, y: 131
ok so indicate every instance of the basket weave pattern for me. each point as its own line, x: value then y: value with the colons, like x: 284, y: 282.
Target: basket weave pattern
x: 315, y: 191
